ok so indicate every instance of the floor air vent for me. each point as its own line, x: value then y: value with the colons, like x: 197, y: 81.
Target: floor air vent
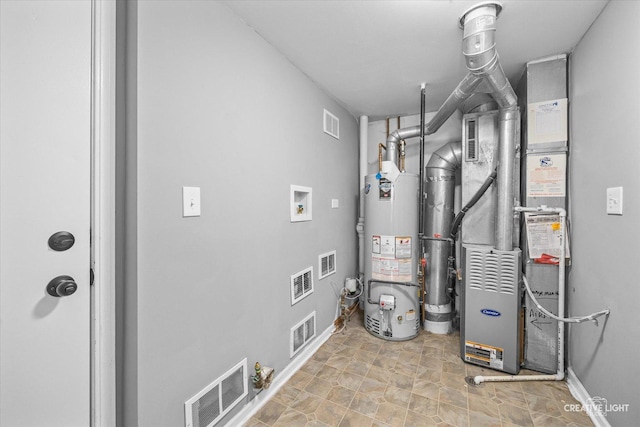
x: 327, y: 264
x: 331, y: 125
x: 301, y: 285
x: 213, y: 402
x: 302, y: 333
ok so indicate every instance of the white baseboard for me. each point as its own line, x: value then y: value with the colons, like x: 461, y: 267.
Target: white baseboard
x: 582, y: 395
x: 252, y: 408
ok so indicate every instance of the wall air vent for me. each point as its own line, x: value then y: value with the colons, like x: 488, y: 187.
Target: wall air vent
x: 472, y: 141
x: 214, y: 401
x: 327, y: 264
x: 301, y: 285
x: 331, y: 125
x: 302, y: 333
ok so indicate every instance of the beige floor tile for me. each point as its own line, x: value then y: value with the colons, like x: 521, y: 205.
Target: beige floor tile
x: 453, y: 415
x: 483, y: 405
x: 454, y: 397
x: 299, y: 380
x: 426, y: 388
x: 319, y: 387
x: 401, y: 381
x: 385, y: 362
x: 423, y: 405
x: 341, y: 395
x: 270, y: 412
x: 254, y: 422
x: 414, y: 419
x: 350, y: 381
x: 515, y: 415
x: 543, y: 405
x: 453, y: 381
x: 355, y: 419
x: 544, y: 420
x: 391, y: 414
x: 306, y: 403
x: 312, y: 366
x: 397, y: 396
x: 291, y: 417
x: 372, y: 387
x: 372, y: 347
x: 286, y: 394
x: 338, y: 362
x: 357, y: 379
x: 330, y: 413
x: 328, y: 373
x: 477, y: 419
x: 364, y: 404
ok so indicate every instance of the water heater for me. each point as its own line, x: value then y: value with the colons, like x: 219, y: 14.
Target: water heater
x: 391, y: 257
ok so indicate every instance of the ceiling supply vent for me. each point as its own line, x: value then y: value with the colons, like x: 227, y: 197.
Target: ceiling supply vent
x: 327, y: 264
x: 472, y: 142
x: 301, y: 285
x: 214, y: 401
x: 331, y: 125
x: 302, y: 333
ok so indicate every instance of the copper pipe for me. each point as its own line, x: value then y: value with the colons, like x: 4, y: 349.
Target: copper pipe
x: 380, y: 147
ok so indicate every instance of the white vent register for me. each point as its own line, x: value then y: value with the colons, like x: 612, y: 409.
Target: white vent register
x: 302, y: 333
x: 327, y: 264
x: 214, y: 401
x: 331, y: 125
x: 301, y: 285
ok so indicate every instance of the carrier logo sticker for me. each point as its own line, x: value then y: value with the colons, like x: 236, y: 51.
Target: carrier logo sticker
x: 490, y: 312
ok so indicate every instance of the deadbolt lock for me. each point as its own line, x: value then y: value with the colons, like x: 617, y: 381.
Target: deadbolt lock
x: 62, y: 286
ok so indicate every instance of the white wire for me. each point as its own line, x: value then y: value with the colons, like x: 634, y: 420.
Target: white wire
x: 592, y: 316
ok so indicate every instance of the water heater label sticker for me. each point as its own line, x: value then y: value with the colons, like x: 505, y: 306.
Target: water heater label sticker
x: 375, y: 244
x: 391, y: 269
x: 388, y: 245
x: 410, y: 315
x: 547, y: 175
x: 403, y: 247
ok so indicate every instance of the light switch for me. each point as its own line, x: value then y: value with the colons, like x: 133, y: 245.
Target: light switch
x: 190, y: 201
x: 614, y: 201
x: 335, y: 204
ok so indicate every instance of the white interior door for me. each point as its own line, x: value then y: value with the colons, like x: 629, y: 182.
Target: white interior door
x: 45, y: 80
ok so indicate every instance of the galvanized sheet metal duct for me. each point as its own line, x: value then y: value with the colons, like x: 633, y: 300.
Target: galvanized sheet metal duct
x: 482, y: 60
x: 440, y: 189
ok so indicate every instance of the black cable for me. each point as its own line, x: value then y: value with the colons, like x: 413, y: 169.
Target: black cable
x: 483, y: 189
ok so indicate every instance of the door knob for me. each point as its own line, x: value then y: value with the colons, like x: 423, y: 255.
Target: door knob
x: 62, y: 286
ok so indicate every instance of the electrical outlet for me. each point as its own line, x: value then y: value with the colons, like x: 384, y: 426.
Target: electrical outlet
x: 614, y: 201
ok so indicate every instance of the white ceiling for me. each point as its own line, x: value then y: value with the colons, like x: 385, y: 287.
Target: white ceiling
x: 373, y: 55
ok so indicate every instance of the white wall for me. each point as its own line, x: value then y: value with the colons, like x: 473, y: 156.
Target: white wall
x: 605, y: 152
x: 220, y: 109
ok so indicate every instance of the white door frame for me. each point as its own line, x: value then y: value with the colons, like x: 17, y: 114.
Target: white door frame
x: 103, y: 164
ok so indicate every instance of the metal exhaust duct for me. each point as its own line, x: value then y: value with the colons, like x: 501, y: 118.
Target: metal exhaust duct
x: 440, y: 190
x: 481, y: 56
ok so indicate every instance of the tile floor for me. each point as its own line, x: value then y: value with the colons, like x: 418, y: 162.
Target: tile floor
x: 356, y: 379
